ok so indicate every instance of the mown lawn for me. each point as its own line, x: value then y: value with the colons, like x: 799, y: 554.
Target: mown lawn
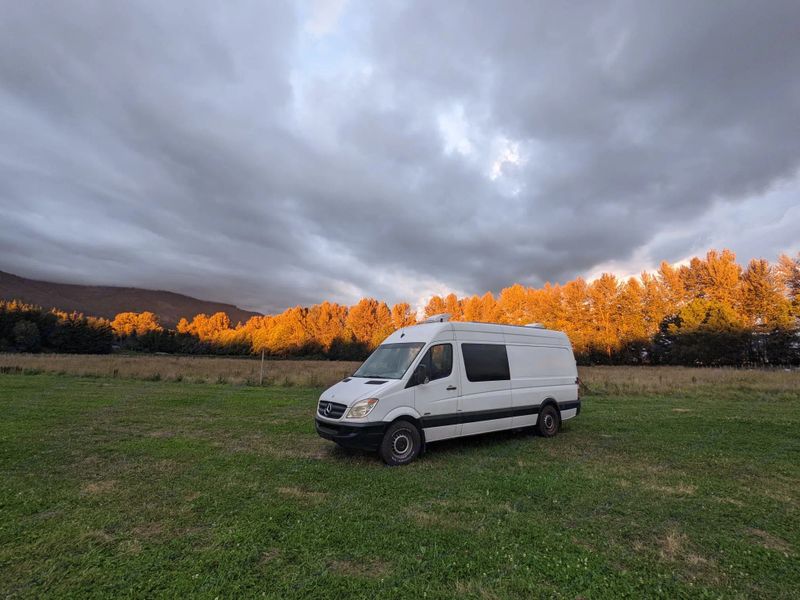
x: 127, y: 488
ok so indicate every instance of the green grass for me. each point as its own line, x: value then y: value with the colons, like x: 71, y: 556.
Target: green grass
x: 130, y: 488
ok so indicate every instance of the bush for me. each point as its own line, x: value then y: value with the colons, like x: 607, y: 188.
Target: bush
x: 26, y: 336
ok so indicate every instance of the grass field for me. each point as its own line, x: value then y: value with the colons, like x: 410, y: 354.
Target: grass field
x: 672, y: 488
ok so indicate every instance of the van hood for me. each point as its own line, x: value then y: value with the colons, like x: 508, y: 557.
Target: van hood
x: 352, y: 389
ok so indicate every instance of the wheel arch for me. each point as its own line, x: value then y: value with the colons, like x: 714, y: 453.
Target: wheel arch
x: 410, y: 415
x: 550, y: 402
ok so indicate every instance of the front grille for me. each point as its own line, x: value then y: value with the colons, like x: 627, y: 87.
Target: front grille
x: 336, y: 410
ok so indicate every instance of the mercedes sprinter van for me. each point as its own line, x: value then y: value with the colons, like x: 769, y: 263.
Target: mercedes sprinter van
x: 444, y: 379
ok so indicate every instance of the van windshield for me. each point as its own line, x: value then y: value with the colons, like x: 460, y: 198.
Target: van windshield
x: 389, y: 361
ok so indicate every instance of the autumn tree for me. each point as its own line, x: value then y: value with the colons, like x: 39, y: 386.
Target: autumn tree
x: 325, y: 322
x: 603, y: 298
x: 435, y: 306
x: 514, y: 305
x: 453, y: 307
x: 673, y: 287
x: 132, y: 323
x: 289, y: 333
x: 704, y: 332
x: 574, y: 315
x: 490, y: 311
x: 788, y: 274
x: 655, y: 303
x: 472, y: 309
x: 715, y: 278
x: 369, y: 322
x: 402, y: 315
x: 762, y: 301
x: 631, y: 320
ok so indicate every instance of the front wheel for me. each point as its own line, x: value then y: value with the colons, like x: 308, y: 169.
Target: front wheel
x: 548, y: 422
x: 401, y: 444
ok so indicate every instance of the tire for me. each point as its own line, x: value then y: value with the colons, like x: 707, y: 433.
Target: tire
x: 548, y: 422
x: 401, y: 444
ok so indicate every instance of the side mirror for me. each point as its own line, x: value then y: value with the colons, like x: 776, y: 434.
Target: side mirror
x: 421, y: 374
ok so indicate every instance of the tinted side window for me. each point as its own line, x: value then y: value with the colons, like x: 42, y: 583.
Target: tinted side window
x: 486, y: 362
x: 439, y: 360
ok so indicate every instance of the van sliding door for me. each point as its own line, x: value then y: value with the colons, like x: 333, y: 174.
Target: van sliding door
x: 485, y: 402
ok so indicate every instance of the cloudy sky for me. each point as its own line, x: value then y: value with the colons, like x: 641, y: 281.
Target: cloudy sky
x: 272, y: 154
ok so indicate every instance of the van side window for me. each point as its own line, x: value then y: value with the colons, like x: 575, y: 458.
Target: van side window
x: 486, y: 362
x: 439, y: 360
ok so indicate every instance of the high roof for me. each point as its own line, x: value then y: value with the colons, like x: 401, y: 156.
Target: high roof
x: 424, y: 332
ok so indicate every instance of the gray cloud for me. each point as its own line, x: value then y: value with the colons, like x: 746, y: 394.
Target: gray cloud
x: 235, y: 153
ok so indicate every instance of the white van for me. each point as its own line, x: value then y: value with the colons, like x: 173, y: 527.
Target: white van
x: 444, y: 379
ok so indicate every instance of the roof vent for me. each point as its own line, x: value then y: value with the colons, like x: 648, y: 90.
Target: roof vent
x: 535, y: 325
x: 437, y: 318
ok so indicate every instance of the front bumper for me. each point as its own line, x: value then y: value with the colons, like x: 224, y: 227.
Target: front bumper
x: 366, y: 436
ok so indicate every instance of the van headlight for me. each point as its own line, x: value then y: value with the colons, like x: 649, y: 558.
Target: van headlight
x: 362, y: 408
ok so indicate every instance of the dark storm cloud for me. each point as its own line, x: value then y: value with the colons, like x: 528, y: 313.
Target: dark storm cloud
x: 226, y: 151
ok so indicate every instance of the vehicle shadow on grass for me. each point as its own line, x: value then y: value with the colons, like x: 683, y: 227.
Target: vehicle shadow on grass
x: 494, y: 440
x: 451, y: 448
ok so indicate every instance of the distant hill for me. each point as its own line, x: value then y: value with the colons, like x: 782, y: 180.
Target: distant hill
x: 107, y: 301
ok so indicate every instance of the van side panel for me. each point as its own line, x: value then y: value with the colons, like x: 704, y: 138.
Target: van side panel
x: 539, y: 373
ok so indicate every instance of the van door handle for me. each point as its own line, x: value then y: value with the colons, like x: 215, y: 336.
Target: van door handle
x: 450, y: 388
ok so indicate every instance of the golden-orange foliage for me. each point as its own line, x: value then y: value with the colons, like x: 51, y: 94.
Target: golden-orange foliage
x: 602, y: 316
x: 131, y: 323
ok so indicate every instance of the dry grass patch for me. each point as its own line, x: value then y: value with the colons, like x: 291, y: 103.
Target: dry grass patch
x: 99, y: 536
x: 160, y: 434
x: 727, y: 500
x: 672, y: 545
x: 661, y: 380
x: 95, y: 488
x: 305, y: 495
x: 676, y: 547
x: 373, y: 569
x: 269, y: 555
x: 195, y: 369
x: 435, y: 514
x: 474, y: 590
x: 321, y: 373
x: 769, y: 541
x: 681, y: 489
x: 149, y: 530
x: 311, y: 448
x: 133, y: 546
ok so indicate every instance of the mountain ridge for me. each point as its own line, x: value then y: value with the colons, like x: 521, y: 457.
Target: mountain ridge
x: 107, y: 301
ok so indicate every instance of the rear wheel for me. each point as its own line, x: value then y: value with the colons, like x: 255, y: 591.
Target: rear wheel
x: 401, y: 443
x: 548, y: 422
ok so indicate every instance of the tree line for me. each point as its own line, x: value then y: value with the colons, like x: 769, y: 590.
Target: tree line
x: 711, y: 311
x: 28, y: 328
